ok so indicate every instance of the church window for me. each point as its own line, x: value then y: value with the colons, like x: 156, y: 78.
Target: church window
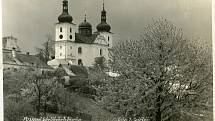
x: 80, y: 62
x: 61, y: 29
x: 70, y: 30
x: 100, y: 52
x: 70, y: 36
x: 108, y: 38
x: 60, y: 54
x: 79, y: 50
x: 60, y: 47
x: 61, y: 36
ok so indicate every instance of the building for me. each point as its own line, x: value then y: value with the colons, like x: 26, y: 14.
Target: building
x: 14, y: 59
x: 10, y: 43
x: 78, y: 45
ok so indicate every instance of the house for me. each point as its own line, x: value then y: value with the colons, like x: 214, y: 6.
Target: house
x: 13, y: 58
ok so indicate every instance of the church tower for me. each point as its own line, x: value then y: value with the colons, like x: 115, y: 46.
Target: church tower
x: 64, y: 34
x: 78, y: 45
x: 104, y: 29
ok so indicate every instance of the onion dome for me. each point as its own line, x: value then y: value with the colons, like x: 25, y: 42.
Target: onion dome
x: 65, y: 17
x: 103, y: 26
x: 85, y: 24
x: 85, y: 28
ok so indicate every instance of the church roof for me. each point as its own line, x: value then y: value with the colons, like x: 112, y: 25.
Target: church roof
x: 85, y: 39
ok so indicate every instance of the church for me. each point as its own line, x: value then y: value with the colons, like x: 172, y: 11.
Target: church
x: 79, y: 45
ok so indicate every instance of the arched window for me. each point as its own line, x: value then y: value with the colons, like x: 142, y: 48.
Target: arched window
x: 79, y: 50
x: 80, y: 62
x: 70, y: 30
x: 100, y: 52
x: 108, y: 38
x: 61, y: 29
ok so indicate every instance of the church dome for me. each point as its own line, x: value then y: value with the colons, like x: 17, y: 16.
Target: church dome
x: 85, y: 24
x: 65, y: 17
x: 85, y: 28
x: 103, y: 27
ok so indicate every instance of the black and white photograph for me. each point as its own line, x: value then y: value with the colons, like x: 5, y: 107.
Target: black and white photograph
x: 107, y: 60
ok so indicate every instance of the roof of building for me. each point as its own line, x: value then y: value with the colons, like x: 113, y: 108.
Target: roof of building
x: 24, y: 60
x: 79, y: 71
x: 73, y: 70
x: 9, y: 37
x: 65, y: 17
x: 103, y: 27
x: 8, y: 59
x: 85, y: 39
x: 84, y: 25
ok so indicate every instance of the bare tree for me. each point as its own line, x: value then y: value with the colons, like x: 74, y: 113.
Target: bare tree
x: 164, y: 76
x: 47, y: 50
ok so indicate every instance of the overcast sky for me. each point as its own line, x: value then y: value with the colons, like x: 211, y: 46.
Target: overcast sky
x: 31, y: 20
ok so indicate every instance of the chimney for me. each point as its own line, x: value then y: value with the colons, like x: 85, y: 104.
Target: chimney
x: 13, y: 52
x: 27, y: 53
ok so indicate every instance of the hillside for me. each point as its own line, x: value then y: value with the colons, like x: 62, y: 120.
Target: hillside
x: 15, y: 79
x: 89, y: 106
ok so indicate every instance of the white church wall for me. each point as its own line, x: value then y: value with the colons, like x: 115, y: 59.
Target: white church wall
x: 89, y: 53
x: 60, y: 52
x: 108, y: 37
x: 65, y: 31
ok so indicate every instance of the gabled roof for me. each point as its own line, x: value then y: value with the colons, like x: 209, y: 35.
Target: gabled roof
x: 24, y: 60
x: 73, y: 71
x: 85, y: 39
x: 8, y: 59
x: 79, y: 71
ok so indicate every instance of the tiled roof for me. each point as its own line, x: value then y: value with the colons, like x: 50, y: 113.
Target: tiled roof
x: 24, y: 60
x: 74, y: 70
x: 79, y: 71
x: 8, y: 59
x: 85, y: 39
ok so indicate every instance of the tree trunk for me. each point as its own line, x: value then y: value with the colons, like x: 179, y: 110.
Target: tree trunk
x: 158, y: 110
x: 160, y: 87
x: 158, y: 104
x: 45, y: 106
x: 38, y: 108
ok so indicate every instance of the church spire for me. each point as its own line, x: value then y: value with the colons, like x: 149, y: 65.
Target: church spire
x: 65, y: 6
x: 103, y: 5
x: 103, y: 26
x: 103, y: 13
x: 65, y: 17
x: 85, y: 17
